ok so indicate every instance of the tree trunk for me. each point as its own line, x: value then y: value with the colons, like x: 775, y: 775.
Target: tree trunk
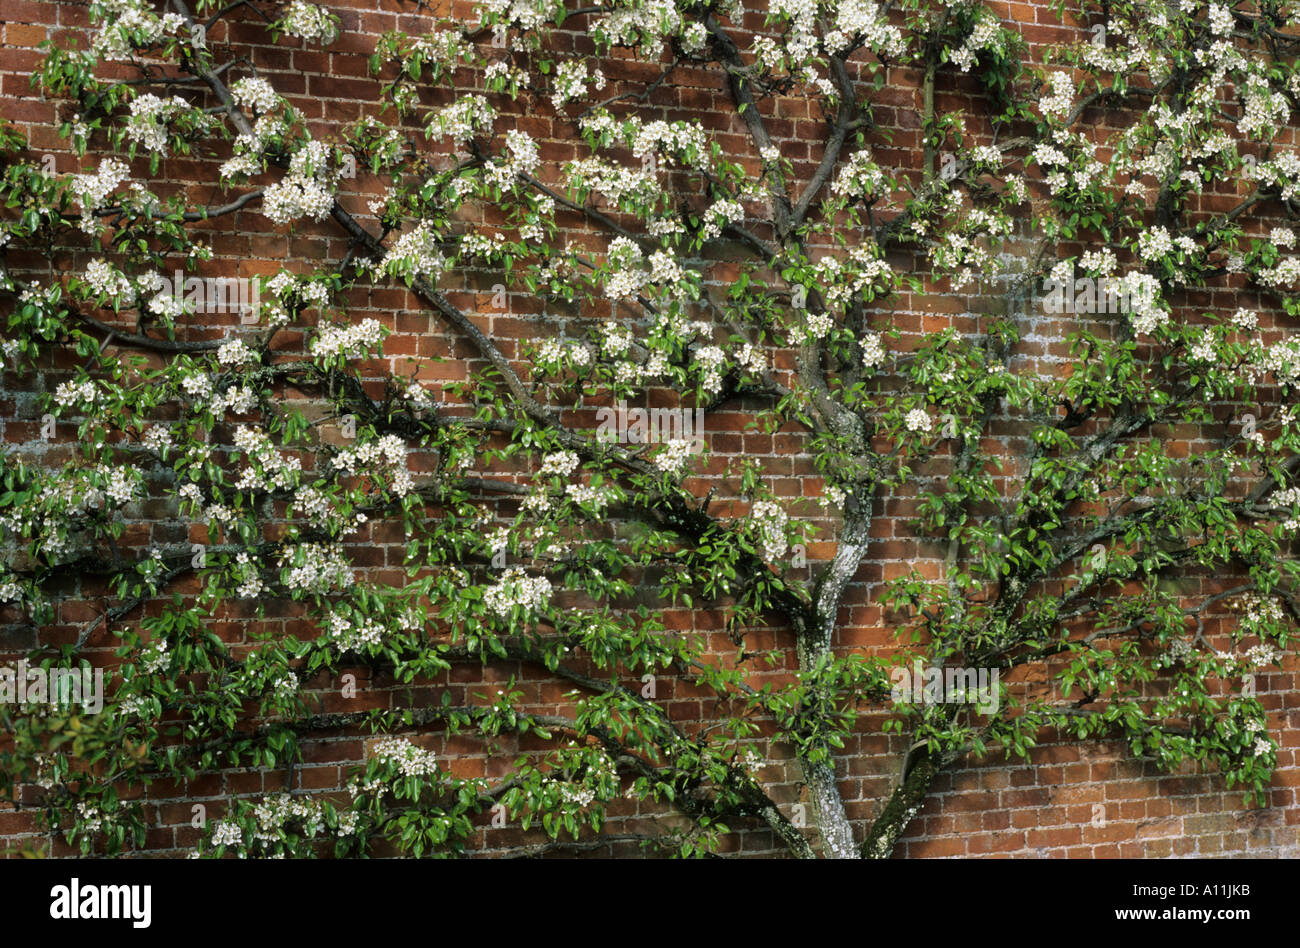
x: 903, y: 804
x: 828, y: 807
x: 814, y: 644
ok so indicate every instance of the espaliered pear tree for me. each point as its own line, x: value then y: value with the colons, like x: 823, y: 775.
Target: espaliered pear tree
x: 1083, y: 204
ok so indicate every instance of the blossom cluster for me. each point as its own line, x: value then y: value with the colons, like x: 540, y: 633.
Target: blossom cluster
x: 626, y: 274
x: 93, y: 189
x: 235, y: 352
x: 76, y: 394
x: 1260, y: 609
x: 67, y: 497
x: 227, y: 833
x: 558, y: 463
x: 918, y: 420
x: 1147, y: 312
x: 354, y: 635
x: 674, y: 455
x: 255, y: 93
x: 386, y: 456
x: 620, y: 185
x: 860, y: 176
x: 147, y: 125
x: 1266, y: 109
x: 274, y: 812
x: 307, y: 190
x: 570, y: 82
x: 316, y: 506
x: 751, y: 358
x: 517, y: 589
x: 1057, y: 98
x: 521, y: 158
x: 711, y: 362
x: 985, y: 35
x: 718, y: 217
x: 10, y: 591
x: 595, y: 498
x: 419, y: 397
x: 644, y: 25
x: 558, y: 353
x: 685, y: 141
x: 1263, y: 655
x: 309, y: 22
x: 266, y: 468
x: 107, y: 281
x: 415, y: 254
x: 323, y: 567
x: 277, y: 820
x: 843, y: 279
x: 1282, y: 174
x: 863, y: 21
x: 873, y: 350
x: 247, y: 577
x: 769, y: 520
x: 851, y: 23
x: 347, y: 342
x: 271, y: 122
x: 156, y: 659
x: 129, y: 25
x: 1281, y: 360
x: 93, y: 817
x: 410, y: 760
x: 463, y: 118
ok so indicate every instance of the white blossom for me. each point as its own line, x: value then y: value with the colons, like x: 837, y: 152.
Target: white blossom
x: 674, y: 455
x: 562, y: 463
x: 918, y: 419
x: 323, y: 568
x: 769, y: 521
x: 517, y: 588
x: 309, y: 22
x: 255, y: 93
x: 147, y: 124
x: 873, y: 350
x: 349, y: 342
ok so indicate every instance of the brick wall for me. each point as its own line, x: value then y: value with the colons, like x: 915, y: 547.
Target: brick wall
x: 1075, y: 799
